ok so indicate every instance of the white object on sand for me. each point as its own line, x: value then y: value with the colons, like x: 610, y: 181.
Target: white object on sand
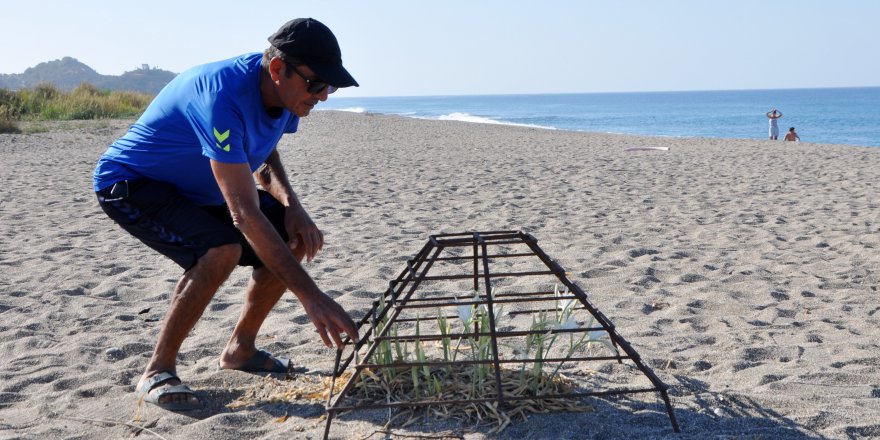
x: 647, y: 149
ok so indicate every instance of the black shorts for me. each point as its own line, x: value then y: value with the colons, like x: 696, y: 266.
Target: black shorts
x: 156, y: 214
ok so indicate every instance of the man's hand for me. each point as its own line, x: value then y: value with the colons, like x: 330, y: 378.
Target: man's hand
x: 330, y: 319
x: 303, y: 232
x: 304, y: 237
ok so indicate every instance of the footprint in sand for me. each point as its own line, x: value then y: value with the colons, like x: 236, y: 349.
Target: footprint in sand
x: 812, y: 337
x: 219, y: 306
x: 301, y: 319
x: 697, y: 324
x: 596, y: 273
x: 701, y: 366
x: 635, y: 253
x: 769, y: 378
x: 363, y: 294
x: 779, y: 296
x: 786, y: 313
x: 692, y: 278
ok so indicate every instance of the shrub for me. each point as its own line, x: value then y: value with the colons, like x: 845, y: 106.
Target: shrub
x: 46, y: 92
x: 7, y: 113
x: 86, y: 89
x: 10, y: 105
x: 7, y: 126
x: 47, y: 102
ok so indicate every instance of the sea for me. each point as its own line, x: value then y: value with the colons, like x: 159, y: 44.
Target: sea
x: 831, y: 115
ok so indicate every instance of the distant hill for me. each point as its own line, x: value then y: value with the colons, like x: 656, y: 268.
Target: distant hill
x: 67, y: 73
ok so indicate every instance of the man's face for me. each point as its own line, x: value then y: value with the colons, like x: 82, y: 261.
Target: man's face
x: 293, y: 89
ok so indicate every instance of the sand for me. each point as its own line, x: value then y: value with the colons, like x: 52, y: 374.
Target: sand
x: 744, y: 272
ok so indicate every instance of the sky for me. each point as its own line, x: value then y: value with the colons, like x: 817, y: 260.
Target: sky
x: 473, y: 47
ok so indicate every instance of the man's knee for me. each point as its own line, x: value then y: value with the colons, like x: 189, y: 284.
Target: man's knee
x: 223, y: 257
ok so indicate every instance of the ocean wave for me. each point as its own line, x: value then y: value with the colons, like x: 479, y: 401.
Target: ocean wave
x: 466, y: 117
x: 347, y: 109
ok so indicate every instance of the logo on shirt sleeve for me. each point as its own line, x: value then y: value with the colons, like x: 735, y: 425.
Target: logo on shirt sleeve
x: 221, y: 137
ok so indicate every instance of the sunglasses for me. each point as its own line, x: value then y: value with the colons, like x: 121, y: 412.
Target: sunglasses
x: 314, y: 86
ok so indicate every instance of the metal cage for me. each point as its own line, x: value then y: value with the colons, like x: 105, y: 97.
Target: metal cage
x: 504, y: 279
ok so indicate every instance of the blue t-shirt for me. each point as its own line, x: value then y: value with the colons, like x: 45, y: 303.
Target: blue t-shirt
x: 214, y: 111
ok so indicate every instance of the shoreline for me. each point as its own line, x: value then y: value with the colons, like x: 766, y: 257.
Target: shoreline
x: 744, y: 272
x: 516, y: 125
x: 42, y: 126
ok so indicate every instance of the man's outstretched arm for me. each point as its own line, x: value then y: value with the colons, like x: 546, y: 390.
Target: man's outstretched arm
x: 237, y: 184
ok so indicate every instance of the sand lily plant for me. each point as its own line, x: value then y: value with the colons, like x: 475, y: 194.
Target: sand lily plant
x: 406, y: 372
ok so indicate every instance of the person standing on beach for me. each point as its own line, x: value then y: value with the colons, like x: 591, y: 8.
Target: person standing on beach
x: 181, y: 180
x: 791, y: 136
x: 774, y: 115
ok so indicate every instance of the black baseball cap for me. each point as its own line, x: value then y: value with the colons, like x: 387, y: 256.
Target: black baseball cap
x: 310, y: 42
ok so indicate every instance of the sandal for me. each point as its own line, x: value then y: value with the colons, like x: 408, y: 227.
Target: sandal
x: 257, y: 363
x: 151, y: 392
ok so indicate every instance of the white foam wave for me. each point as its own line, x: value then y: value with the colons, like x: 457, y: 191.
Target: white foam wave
x: 349, y: 109
x: 465, y: 117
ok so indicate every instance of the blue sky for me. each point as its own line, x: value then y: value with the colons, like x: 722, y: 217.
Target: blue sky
x: 456, y: 47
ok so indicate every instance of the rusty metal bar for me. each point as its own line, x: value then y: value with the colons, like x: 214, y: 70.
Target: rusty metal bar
x: 511, y: 313
x: 471, y: 234
x: 498, y: 275
x: 458, y: 300
x: 509, y: 333
x: 464, y: 303
x: 491, y: 257
x: 466, y: 242
x: 491, y: 361
x: 490, y: 310
x: 476, y: 257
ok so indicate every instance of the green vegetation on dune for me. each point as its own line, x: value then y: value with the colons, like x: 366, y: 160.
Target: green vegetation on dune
x: 46, y: 102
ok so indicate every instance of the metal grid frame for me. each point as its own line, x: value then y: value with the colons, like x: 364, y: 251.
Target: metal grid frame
x: 401, y: 295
